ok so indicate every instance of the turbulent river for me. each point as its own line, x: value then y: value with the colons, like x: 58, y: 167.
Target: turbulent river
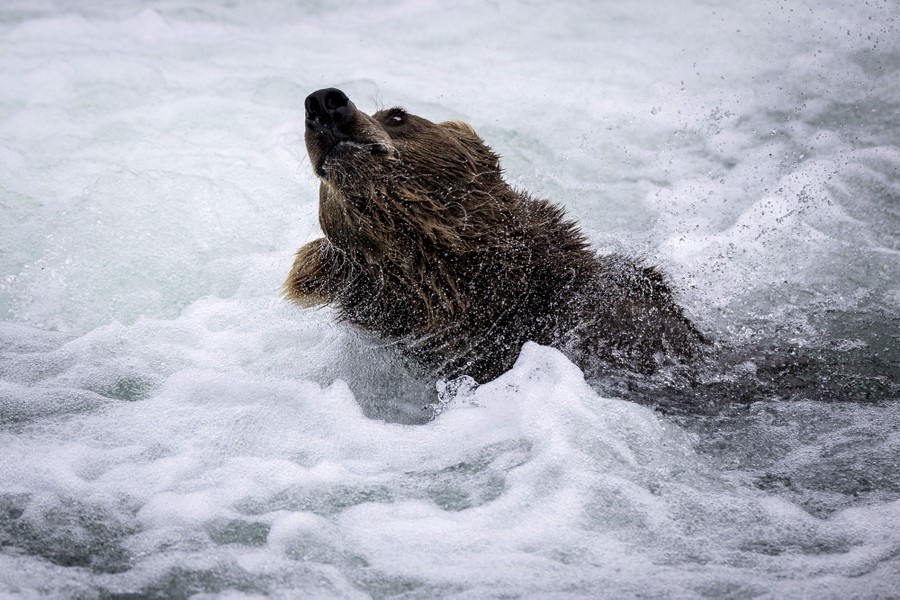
x: 170, y: 427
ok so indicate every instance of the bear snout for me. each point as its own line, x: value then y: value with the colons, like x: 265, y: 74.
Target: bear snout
x: 337, y: 132
x: 328, y: 113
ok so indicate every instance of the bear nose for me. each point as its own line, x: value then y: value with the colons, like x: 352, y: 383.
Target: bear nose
x: 328, y: 108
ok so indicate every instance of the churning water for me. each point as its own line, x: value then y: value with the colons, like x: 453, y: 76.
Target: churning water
x: 169, y: 426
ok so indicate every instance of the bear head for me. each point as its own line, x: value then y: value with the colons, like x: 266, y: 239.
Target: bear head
x: 394, y: 175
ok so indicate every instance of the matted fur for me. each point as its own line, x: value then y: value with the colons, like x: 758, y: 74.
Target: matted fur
x: 427, y: 245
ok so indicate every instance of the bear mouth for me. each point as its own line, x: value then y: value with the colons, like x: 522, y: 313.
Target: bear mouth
x: 343, y: 150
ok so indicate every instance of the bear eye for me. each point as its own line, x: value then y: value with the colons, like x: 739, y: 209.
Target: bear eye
x: 396, y: 116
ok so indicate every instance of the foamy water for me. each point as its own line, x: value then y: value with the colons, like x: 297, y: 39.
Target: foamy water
x: 170, y: 427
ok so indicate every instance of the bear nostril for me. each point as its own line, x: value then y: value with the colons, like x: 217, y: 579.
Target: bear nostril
x: 313, y: 109
x: 335, y: 99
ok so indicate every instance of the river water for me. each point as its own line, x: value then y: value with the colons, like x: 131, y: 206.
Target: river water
x: 170, y: 427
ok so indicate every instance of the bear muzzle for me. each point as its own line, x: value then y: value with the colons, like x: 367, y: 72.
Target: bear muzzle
x: 335, y: 128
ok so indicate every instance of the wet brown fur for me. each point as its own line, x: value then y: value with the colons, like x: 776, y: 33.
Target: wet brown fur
x: 426, y: 244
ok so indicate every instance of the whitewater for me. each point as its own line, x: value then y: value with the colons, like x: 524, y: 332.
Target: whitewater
x: 171, y: 427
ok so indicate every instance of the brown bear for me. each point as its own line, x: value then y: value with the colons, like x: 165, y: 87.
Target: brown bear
x: 427, y: 245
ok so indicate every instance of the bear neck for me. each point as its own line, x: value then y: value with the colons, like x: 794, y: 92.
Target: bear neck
x: 420, y: 256
x: 391, y: 218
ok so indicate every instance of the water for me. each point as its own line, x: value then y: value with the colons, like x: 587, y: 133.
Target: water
x: 170, y: 427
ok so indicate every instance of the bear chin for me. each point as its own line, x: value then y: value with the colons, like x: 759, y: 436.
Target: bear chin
x: 426, y: 245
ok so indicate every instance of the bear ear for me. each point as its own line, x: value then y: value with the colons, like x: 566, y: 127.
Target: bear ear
x: 460, y: 126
